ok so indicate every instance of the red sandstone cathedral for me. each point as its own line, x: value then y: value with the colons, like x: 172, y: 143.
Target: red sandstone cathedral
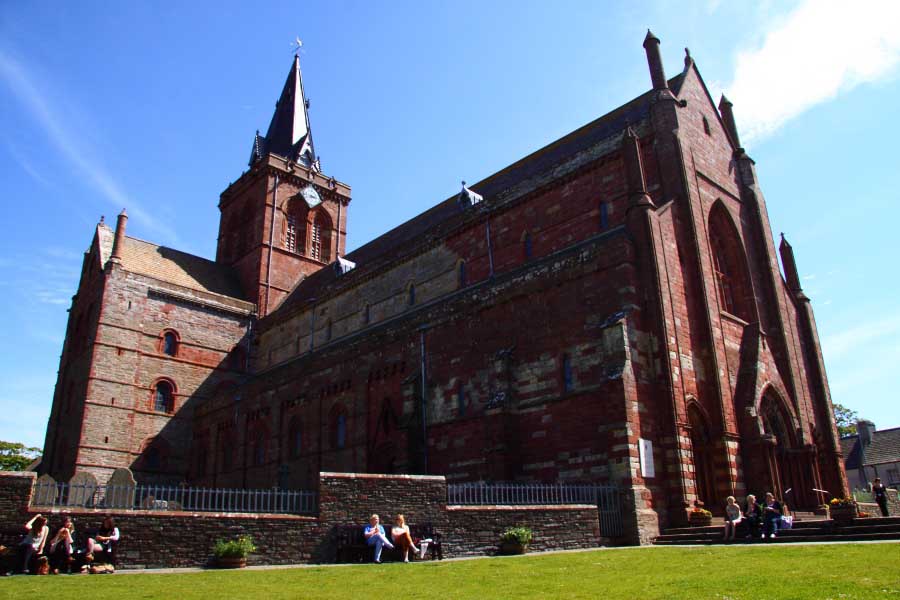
x: 609, y: 309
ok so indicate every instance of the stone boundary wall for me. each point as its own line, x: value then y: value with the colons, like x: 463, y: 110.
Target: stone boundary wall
x: 156, y: 539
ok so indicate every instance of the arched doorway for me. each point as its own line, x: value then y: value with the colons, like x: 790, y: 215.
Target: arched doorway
x: 702, y: 450
x: 790, y: 474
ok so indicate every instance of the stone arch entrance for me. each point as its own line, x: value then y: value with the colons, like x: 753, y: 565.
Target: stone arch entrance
x: 702, y: 449
x: 789, y: 465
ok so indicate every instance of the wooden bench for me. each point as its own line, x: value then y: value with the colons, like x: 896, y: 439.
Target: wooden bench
x: 352, y: 546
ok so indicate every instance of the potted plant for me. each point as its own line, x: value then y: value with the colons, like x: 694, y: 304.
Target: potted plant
x: 843, y: 509
x: 232, y: 554
x: 515, y: 540
x: 699, y: 516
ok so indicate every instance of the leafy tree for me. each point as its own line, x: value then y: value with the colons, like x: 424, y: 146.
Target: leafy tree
x: 846, y: 419
x: 15, y: 456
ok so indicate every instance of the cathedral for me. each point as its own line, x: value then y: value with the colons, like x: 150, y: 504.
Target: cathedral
x: 610, y: 308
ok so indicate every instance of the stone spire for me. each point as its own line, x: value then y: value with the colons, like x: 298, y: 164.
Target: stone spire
x: 654, y: 61
x: 289, y: 134
x: 791, y: 275
x: 726, y: 109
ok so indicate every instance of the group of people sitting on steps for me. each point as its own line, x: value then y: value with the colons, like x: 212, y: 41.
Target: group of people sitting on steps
x: 375, y: 536
x: 41, y: 554
x: 767, y: 516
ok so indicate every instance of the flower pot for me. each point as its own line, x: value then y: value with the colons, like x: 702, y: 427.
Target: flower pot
x: 231, y: 562
x: 509, y: 548
x: 844, y: 513
x: 699, y: 520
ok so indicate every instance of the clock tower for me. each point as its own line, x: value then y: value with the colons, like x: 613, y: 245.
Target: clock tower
x: 283, y: 219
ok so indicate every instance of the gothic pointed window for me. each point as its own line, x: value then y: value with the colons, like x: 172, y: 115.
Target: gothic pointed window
x: 732, y: 282
x: 320, y: 237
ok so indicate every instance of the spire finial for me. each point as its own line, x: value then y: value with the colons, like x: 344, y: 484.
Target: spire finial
x: 688, y: 59
x: 296, y: 45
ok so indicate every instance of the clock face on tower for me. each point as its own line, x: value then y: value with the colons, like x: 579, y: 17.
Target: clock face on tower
x: 311, y: 196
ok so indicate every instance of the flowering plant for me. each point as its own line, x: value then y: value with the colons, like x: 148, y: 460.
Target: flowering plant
x: 700, y: 511
x: 842, y: 502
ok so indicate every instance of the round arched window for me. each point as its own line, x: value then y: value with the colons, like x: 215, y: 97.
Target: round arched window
x: 170, y: 343
x: 163, y: 397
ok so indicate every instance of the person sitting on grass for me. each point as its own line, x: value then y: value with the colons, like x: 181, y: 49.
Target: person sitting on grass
x: 32, y: 544
x: 732, y: 518
x: 753, y: 516
x: 375, y: 537
x: 771, y: 515
x: 402, y: 538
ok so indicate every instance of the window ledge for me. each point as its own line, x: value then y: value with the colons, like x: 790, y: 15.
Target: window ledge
x: 733, y: 318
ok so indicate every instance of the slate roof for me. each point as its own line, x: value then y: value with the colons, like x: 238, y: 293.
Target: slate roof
x: 179, y: 268
x: 393, y: 243
x: 885, y: 448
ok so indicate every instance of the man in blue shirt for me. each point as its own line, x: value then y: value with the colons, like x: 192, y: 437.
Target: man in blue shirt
x: 375, y: 537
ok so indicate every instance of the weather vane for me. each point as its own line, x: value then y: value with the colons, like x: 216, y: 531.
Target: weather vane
x: 296, y: 45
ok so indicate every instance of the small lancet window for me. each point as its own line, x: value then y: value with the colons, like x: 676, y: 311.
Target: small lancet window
x: 411, y: 295
x: 566, y: 373
x: 462, y: 274
x: 290, y: 234
x: 461, y: 400
x: 170, y: 344
x: 706, y: 126
x: 367, y: 314
x: 527, y: 248
x: 340, y: 433
x: 604, y: 215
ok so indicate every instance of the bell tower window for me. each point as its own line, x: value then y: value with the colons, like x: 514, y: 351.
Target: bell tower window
x: 290, y: 236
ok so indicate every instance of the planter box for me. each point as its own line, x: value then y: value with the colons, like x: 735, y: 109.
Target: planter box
x: 231, y: 563
x: 512, y: 548
x: 844, y: 513
x: 699, y: 520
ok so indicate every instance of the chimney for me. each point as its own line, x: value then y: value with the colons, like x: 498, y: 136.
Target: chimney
x: 654, y: 61
x: 119, y: 240
x: 725, y: 109
x: 866, y: 431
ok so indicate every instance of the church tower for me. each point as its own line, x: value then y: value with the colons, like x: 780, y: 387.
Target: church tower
x: 283, y: 219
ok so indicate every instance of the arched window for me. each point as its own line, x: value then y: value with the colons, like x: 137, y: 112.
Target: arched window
x: 527, y: 248
x: 290, y: 233
x: 461, y: 399
x: 170, y: 343
x: 566, y: 373
x: 339, y: 428
x: 152, y: 459
x: 604, y: 215
x: 328, y: 330
x: 320, y: 237
x: 732, y: 282
x: 295, y: 438
x: 259, y: 449
x: 411, y: 295
x: 163, y: 397
x: 462, y: 274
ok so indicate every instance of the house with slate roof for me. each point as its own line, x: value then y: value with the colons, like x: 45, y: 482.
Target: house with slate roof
x: 870, y: 454
x: 609, y: 308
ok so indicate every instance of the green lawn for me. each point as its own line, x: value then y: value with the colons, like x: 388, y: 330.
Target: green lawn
x: 839, y: 571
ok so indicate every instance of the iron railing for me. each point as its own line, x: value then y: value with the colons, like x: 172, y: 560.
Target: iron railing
x: 161, y: 497
x: 604, y: 496
x: 863, y: 496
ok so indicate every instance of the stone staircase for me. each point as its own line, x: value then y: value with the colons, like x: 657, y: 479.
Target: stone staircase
x: 809, y: 529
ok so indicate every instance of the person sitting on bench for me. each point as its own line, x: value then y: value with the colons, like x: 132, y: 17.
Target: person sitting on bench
x: 402, y: 538
x: 106, y: 538
x: 374, y: 534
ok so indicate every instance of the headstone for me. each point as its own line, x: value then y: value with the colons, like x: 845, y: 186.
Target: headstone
x: 45, y: 491
x: 81, y: 489
x: 120, y: 489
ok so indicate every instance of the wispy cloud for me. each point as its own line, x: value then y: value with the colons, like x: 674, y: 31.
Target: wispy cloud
x: 860, y: 337
x: 71, y: 143
x: 822, y: 48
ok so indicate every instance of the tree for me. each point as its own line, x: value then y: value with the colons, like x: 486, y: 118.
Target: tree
x: 16, y: 457
x: 846, y: 419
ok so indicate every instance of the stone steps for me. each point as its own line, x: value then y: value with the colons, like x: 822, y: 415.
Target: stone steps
x: 887, y: 528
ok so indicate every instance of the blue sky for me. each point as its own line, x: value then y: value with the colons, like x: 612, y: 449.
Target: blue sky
x: 152, y: 106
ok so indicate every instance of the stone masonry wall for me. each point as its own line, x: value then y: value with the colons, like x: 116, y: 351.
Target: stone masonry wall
x: 157, y: 539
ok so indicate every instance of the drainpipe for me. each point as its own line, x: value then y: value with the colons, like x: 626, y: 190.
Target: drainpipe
x: 490, y: 247
x: 312, y: 324
x: 424, y: 414
x: 337, y: 243
x: 271, y: 241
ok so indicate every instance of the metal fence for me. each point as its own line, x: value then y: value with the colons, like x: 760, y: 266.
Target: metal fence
x: 160, y: 497
x: 606, y: 497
